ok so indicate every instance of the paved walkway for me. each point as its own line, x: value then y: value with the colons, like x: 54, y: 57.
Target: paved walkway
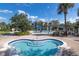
x: 69, y: 40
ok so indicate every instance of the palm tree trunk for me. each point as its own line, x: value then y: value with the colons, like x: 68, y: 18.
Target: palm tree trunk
x: 65, y: 14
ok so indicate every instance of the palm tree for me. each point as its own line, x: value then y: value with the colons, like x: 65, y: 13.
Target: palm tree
x: 78, y: 12
x: 63, y: 8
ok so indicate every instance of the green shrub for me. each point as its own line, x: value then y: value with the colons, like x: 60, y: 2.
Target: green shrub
x: 22, y: 33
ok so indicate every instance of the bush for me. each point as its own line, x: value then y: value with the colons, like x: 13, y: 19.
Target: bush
x: 21, y: 33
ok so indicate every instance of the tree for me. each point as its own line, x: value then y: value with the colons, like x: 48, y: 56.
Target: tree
x: 69, y: 25
x: 77, y: 26
x: 55, y: 24
x: 40, y: 25
x: 4, y: 26
x: 45, y: 24
x: 63, y: 7
x: 20, y: 22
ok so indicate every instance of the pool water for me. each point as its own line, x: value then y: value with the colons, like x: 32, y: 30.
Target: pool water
x: 26, y: 47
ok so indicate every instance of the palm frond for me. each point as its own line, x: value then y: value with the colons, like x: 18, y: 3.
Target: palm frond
x: 63, y: 7
x: 78, y: 11
x: 59, y: 9
x: 59, y: 12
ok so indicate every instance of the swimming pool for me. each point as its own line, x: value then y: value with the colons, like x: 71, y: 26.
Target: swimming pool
x: 27, y: 47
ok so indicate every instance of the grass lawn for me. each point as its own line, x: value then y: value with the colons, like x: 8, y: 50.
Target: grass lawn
x: 22, y: 33
x: 16, y: 33
x: 4, y: 32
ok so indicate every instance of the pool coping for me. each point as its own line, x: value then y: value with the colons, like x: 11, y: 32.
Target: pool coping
x: 7, y: 46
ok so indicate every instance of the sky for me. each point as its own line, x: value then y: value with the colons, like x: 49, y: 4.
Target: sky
x: 43, y: 11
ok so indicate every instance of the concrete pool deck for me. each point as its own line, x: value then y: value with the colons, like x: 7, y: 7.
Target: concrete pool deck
x: 69, y: 40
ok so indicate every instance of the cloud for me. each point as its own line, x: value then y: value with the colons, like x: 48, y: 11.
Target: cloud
x: 2, y: 19
x: 42, y: 19
x: 6, y: 11
x: 72, y: 20
x: 33, y: 17
x: 36, y: 18
x: 21, y: 11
